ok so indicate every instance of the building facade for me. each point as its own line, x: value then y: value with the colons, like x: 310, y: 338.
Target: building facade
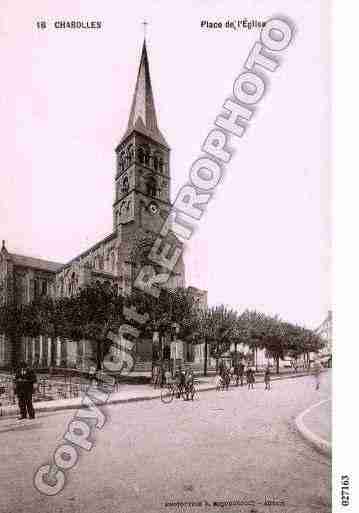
x: 142, y: 202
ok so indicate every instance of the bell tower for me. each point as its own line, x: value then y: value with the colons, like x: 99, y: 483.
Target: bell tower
x: 142, y: 181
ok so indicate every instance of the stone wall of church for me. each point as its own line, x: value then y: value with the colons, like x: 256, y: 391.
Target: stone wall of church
x: 6, y: 278
x: 102, y: 263
x: 5, y: 351
x: 44, y: 352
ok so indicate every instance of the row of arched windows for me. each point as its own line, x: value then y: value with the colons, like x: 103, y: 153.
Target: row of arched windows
x: 155, y: 161
x: 144, y: 157
x: 150, y: 184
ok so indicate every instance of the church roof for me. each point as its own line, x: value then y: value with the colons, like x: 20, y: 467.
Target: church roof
x: 35, y: 263
x: 143, y: 113
x: 112, y: 235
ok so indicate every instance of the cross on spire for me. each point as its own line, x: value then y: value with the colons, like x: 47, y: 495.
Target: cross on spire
x: 144, y: 23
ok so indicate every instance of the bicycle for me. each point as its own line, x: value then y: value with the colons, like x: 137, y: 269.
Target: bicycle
x: 170, y: 391
x: 222, y: 384
x: 190, y: 392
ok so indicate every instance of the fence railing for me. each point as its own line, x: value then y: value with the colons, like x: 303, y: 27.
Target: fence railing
x: 47, y: 388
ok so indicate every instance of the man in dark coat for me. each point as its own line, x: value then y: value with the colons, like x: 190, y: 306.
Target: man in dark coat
x: 24, y: 388
x: 241, y: 372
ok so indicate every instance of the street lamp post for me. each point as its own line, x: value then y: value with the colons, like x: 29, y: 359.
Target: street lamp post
x: 176, y: 329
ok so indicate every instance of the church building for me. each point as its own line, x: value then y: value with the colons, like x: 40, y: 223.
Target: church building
x: 141, y: 205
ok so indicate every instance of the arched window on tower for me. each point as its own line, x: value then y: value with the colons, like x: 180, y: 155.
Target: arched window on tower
x: 112, y: 261
x: 130, y: 153
x: 155, y: 163
x: 151, y: 186
x: 146, y: 150
x: 141, y: 155
x: 125, y: 185
x: 121, y: 161
x: 72, y: 284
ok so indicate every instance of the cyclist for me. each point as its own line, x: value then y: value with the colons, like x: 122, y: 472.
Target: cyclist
x: 180, y: 381
x: 168, y: 377
x: 189, y: 381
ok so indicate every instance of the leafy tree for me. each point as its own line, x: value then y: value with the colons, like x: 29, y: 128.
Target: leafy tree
x: 15, y: 321
x: 215, y: 326
x: 172, y: 306
x: 91, y: 315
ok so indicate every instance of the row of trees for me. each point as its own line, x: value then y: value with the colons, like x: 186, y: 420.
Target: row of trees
x: 97, y: 309
x: 222, y: 328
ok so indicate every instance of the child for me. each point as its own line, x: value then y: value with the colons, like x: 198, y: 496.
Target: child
x: 189, y: 383
x: 168, y: 377
x: 252, y: 378
x: 249, y: 376
x: 218, y: 381
x: 267, y: 378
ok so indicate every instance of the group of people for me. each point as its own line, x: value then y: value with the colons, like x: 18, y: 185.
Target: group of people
x: 25, y: 379
x: 240, y: 372
x: 184, y: 379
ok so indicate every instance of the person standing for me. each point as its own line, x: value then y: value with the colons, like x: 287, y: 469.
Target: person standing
x: 221, y: 367
x: 236, y: 372
x: 168, y: 377
x: 241, y: 372
x: 267, y: 378
x: 253, y: 379
x: 189, y: 382
x: 250, y: 377
x: 24, y: 381
x: 317, y: 369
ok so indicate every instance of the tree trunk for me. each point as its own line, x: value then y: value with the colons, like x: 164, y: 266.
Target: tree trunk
x: 277, y: 361
x: 205, y: 357
x: 99, y: 355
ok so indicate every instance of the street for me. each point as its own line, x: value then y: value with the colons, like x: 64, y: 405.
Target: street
x: 236, y: 445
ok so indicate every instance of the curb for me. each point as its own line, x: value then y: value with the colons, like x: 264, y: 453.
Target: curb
x: 321, y: 445
x: 77, y: 406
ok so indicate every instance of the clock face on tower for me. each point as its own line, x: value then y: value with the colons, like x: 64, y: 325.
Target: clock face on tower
x: 153, y: 207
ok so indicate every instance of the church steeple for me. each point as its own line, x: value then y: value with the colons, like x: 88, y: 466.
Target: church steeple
x: 143, y: 113
x: 142, y: 180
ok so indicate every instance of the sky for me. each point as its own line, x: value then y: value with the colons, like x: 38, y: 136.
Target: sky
x: 65, y: 97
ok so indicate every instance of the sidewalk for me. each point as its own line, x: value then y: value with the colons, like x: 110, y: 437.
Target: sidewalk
x: 129, y: 393
x: 314, y: 424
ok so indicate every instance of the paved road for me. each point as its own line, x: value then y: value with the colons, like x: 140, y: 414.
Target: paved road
x: 238, y: 445
x: 316, y: 420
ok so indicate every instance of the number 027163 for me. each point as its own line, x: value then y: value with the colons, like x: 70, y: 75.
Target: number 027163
x: 345, y: 490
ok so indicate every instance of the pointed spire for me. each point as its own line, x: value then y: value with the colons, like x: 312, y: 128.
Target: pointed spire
x: 4, y: 251
x: 143, y: 113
